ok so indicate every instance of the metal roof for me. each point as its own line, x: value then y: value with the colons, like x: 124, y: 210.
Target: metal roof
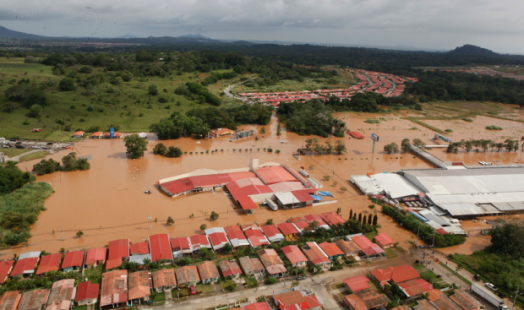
x: 29, y: 255
x: 287, y: 198
x: 392, y: 183
x: 139, y: 258
x: 160, y: 247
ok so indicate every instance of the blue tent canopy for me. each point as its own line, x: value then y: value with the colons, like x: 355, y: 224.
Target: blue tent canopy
x: 326, y: 194
x: 316, y: 197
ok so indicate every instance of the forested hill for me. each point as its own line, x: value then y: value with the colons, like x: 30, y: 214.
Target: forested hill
x: 473, y: 50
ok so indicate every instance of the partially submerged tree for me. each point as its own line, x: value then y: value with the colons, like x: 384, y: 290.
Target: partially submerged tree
x: 135, y: 145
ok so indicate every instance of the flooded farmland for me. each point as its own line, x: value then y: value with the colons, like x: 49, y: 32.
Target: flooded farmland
x: 108, y: 201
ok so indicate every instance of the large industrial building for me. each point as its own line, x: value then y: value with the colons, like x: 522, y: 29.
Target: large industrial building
x: 271, y: 183
x: 442, y: 194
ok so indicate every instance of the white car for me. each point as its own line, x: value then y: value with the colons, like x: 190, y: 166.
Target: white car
x: 491, y: 286
x: 35, y: 147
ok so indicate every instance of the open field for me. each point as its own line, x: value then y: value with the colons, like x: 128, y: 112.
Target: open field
x: 11, y: 152
x: 35, y: 155
x: 128, y: 104
x: 345, y: 79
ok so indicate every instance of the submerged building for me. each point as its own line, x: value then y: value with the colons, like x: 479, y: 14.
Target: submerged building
x: 272, y: 183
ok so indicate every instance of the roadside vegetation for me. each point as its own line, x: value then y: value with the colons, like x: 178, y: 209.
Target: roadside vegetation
x: 502, y: 262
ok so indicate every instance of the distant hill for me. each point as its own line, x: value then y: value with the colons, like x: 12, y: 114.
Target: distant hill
x: 473, y: 50
x: 195, y: 36
x: 8, y: 33
x: 127, y: 36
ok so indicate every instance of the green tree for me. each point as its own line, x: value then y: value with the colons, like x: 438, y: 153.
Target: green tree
x: 340, y: 147
x: 160, y: 149
x: 313, y: 225
x: 214, y: 216
x: 419, y: 143
x: 269, y: 222
x: 13, y: 220
x: 271, y: 280
x: 135, y: 145
x: 152, y: 90
x: 391, y: 148
x: 375, y: 220
x: 173, y: 152
x: 27, y: 95
x: 170, y: 220
x: 35, y: 111
x: 227, y: 248
x: 350, y: 214
x: 11, y: 177
x: 79, y: 233
x: 364, y: 220
x: 67, y: 84
x: 405, y: 145
x: 263, y: 130
x: 278, y: 129
x: 46, y: 167
x: 203, y: 227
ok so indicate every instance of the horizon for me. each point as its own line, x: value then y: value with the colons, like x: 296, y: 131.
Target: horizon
x: 419, y: 25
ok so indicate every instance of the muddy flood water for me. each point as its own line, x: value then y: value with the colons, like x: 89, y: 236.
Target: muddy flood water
x: 108, y: 201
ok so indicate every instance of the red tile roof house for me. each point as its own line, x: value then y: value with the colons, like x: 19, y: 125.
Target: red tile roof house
x: 288, y: 230
x: 33, y: 300
x: 384, y: 241
x: 295, y: 256
x: 369, y: 249
x: 49, y: 263
x: 364, y: 300
x: 118, y: 252
x: 256, y: 238
x: 5, y: 268
x: 272, y: 233
x: 295, y: 300
x: 62, y: 295
x: 396, y: 275
x: 114, y: 288
x: 274, y: 265
x: 164, y: 279
x: 160, y: 248
x: 257, y: 306
x: 199, y: 241
x: 186, y: 276
x: 415, y: 288
x: 310, y: 218
x: 230, y: 268
x: 316, y: 256
x: 25, y: 266
x: 95, y: 257
x: 10, y: 300
x: 236, y: 236
x: 181, y: 246
x: 87, y: 293
x: 302, y: 227
x: 252, y: 266
x: 332, y: 218
x: 357, y: 284
x: 139, y: 248
x: 73, y: 261
x: 350, y: 248
x: 208, y: 272
x: 331, y: 250
x: 139, y: 286
x: 217, y: 236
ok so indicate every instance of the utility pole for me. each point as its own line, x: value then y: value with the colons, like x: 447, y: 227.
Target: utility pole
x: 149, y: 218
x: 61, y: 233
x: 433, y: 239
x: 515, y: 299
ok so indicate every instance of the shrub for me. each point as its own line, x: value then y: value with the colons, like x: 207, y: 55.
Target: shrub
x: 493, y: 127
x: 160, y: 149
x: 448, y: 130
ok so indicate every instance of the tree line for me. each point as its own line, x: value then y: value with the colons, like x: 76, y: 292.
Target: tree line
x: 483, y: 144
x: 69, y: 163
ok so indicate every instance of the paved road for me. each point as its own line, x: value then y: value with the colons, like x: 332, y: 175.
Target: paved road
x: 228, y: 89
x: 17, y: 158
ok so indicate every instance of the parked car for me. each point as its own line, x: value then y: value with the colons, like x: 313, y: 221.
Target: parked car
x: 477, y: 277
x: 301, y: 278
x: 192, y: 289
x: 35, y: 147
x: 491, y: 287
x: 37, y: 130
x: 50, y: 143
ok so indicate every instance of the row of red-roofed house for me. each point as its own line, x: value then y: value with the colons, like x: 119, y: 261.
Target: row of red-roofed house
x: 362, y: 295
x: 367, y: 81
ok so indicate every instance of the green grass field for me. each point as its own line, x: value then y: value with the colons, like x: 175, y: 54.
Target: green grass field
x: 128, y: 104
x: 35, y: 155
x: 11, y: 152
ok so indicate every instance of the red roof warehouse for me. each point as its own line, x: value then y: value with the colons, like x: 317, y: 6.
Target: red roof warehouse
x: 160, y: 247
x: 49, y: 263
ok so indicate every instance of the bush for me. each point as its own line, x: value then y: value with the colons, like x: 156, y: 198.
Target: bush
x: 493, y: 127
x: 26, y: 95
x: 173, y: 152
x: 271, y: 280
x: 35, y: 111
x: 152, y: 90
x: 448, y: 130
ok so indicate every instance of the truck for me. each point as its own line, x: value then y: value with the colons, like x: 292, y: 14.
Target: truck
x: 488, y: 295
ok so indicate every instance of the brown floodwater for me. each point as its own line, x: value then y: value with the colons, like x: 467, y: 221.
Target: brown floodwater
x: 108, y: 201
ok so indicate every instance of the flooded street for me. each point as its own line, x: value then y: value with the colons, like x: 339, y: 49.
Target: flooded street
x: 108, y: 201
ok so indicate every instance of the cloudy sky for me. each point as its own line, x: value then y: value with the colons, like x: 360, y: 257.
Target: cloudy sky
x: 425, y: 24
